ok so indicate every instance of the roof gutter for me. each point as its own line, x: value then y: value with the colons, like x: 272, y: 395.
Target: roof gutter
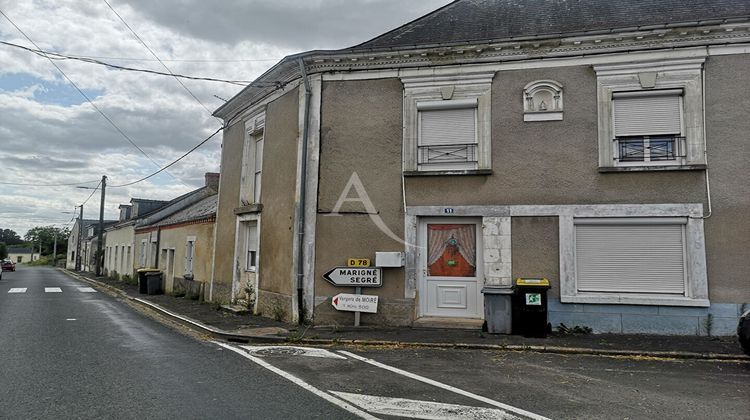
x: 302, y: 196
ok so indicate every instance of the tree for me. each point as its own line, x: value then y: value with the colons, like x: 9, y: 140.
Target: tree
x: 45, y: 235
x: 10, y: 237
x: 3, y: 251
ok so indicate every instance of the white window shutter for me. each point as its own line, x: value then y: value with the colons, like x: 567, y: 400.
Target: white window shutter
x: 626, y: 258
x: 648, y: 114
x: 447, y: 126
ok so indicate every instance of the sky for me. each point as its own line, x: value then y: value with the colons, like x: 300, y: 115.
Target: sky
x: 130, y: 124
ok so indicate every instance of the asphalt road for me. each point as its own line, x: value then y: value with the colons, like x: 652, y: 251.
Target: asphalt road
x: 81, y: 354
x: 78, y: 353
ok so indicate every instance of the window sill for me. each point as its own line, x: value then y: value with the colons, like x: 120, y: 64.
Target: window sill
x: 250, y: 208
x: 635, y: 299
x: 645, y: 168
x: 449, y: 172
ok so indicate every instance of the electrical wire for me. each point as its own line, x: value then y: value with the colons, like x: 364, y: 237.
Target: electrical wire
x: 92, y: 193
x: 58, y: 56
x: 156, y: 57
x: 48, y: 185
x: 86, y: 96
x: 173, y: 162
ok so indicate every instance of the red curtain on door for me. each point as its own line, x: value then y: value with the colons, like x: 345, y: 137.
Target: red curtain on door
x: 451, y: 250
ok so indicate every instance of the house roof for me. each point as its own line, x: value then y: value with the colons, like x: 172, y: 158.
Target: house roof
x: 19, y: 251
x: 201, y: 210
x: 465, y: 21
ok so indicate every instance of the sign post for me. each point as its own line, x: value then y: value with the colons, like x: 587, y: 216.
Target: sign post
x: 357, y: 274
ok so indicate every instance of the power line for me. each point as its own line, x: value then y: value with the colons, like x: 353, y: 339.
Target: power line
x: 57, y: 56
x: 156, y: 57
x: 85, y: 96
x: 173, y: 162
x: 48, y: 185
x: 92, y: 193
x: 177, y: 60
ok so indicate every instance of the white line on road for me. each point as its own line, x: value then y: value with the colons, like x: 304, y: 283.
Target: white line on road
x: 17, y: 290
x: 52, y: 290
x: 485, y: 400
x: 86, y: 289
x: 333, y: 400
x: 416, y: 409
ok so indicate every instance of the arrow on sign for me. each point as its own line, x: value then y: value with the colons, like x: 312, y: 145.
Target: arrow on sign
x: 355, y: 276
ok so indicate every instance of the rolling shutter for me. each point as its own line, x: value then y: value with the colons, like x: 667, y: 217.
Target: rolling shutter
x: 647, y: 113
x: 630, y: 257
x: 447, y: 126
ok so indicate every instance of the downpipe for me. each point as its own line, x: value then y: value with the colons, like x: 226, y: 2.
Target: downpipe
x: 302, y: 197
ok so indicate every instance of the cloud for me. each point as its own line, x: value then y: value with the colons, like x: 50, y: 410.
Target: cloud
x: 50, y: 134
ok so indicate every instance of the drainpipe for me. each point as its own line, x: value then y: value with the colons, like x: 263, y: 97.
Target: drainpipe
x: 302, y: 196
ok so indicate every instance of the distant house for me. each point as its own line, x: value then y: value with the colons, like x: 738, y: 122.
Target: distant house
x: 185, y: 240
x: 82, y: 248
x: 128, y: 247
x: 22, y: 255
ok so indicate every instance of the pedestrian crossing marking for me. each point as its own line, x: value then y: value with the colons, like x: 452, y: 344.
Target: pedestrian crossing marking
x: 86, y: 290
x: 52, y: 290
x: 17, y: 290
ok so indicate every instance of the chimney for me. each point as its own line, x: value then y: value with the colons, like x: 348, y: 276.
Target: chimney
x: 212, y: 180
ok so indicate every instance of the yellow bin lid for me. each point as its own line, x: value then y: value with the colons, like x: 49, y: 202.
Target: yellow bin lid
x: 532, y: 282
x: 147, y: 270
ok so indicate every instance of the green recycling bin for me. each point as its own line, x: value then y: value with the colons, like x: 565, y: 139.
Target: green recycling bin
x: 530, y: 307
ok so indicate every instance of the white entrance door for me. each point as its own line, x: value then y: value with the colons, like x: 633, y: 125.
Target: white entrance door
x: 450, y: 267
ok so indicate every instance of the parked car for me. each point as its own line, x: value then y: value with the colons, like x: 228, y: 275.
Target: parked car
x: 743, y: 331
x: 8, y: 265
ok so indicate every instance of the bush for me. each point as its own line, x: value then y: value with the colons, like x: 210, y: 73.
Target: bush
x: 43, y: 260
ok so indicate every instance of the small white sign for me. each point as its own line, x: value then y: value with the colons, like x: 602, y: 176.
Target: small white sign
x: 534, y: 299
x: 355, y: 303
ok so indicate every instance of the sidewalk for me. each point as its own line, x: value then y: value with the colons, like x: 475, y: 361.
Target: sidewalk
x: 225, y: 324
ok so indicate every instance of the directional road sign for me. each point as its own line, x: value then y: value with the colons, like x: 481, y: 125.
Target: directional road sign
x: 355, y: 276
x: 355, y: 303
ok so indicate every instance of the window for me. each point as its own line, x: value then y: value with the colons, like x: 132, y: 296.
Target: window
x: 633, y: 254
x: 447, y: 124
x: 447, y: 132
x: 648, y: 126
x: 651, y: 115
x: 252, y: 161
x: 189, y: 255
x: 251, y: 246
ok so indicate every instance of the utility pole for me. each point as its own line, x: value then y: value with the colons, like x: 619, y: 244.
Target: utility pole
x: 80, y: 235
x: 101, y: 230
x: 54, y: 250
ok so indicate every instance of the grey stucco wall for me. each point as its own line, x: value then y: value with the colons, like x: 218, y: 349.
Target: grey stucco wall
x: 554, y: 162
x: 535, y: 249
x: 727, y: 128
x: 278, y: 197
x: 229, y: 190
x: 360, y: 132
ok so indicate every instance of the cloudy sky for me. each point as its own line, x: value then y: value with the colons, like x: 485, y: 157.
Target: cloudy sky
x: 51, y: 134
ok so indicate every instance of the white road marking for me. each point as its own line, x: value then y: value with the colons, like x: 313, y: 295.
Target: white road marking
x: 485, y: 400
x: 415, y: 409
x: 86, y: 289
x: 52, y: 290
x: 71, y: 319
x: 292, y: 351
x: 17, y: 290
x: 333, y: 400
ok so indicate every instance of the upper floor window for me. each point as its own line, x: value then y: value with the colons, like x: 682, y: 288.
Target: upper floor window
x: 447, y: 124
x: 651, y: 115
x: 447, y: 132
x: 648, y: 127
x: 252, y: 161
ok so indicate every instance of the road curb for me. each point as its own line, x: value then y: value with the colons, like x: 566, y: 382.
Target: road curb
x: 249, y: 338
